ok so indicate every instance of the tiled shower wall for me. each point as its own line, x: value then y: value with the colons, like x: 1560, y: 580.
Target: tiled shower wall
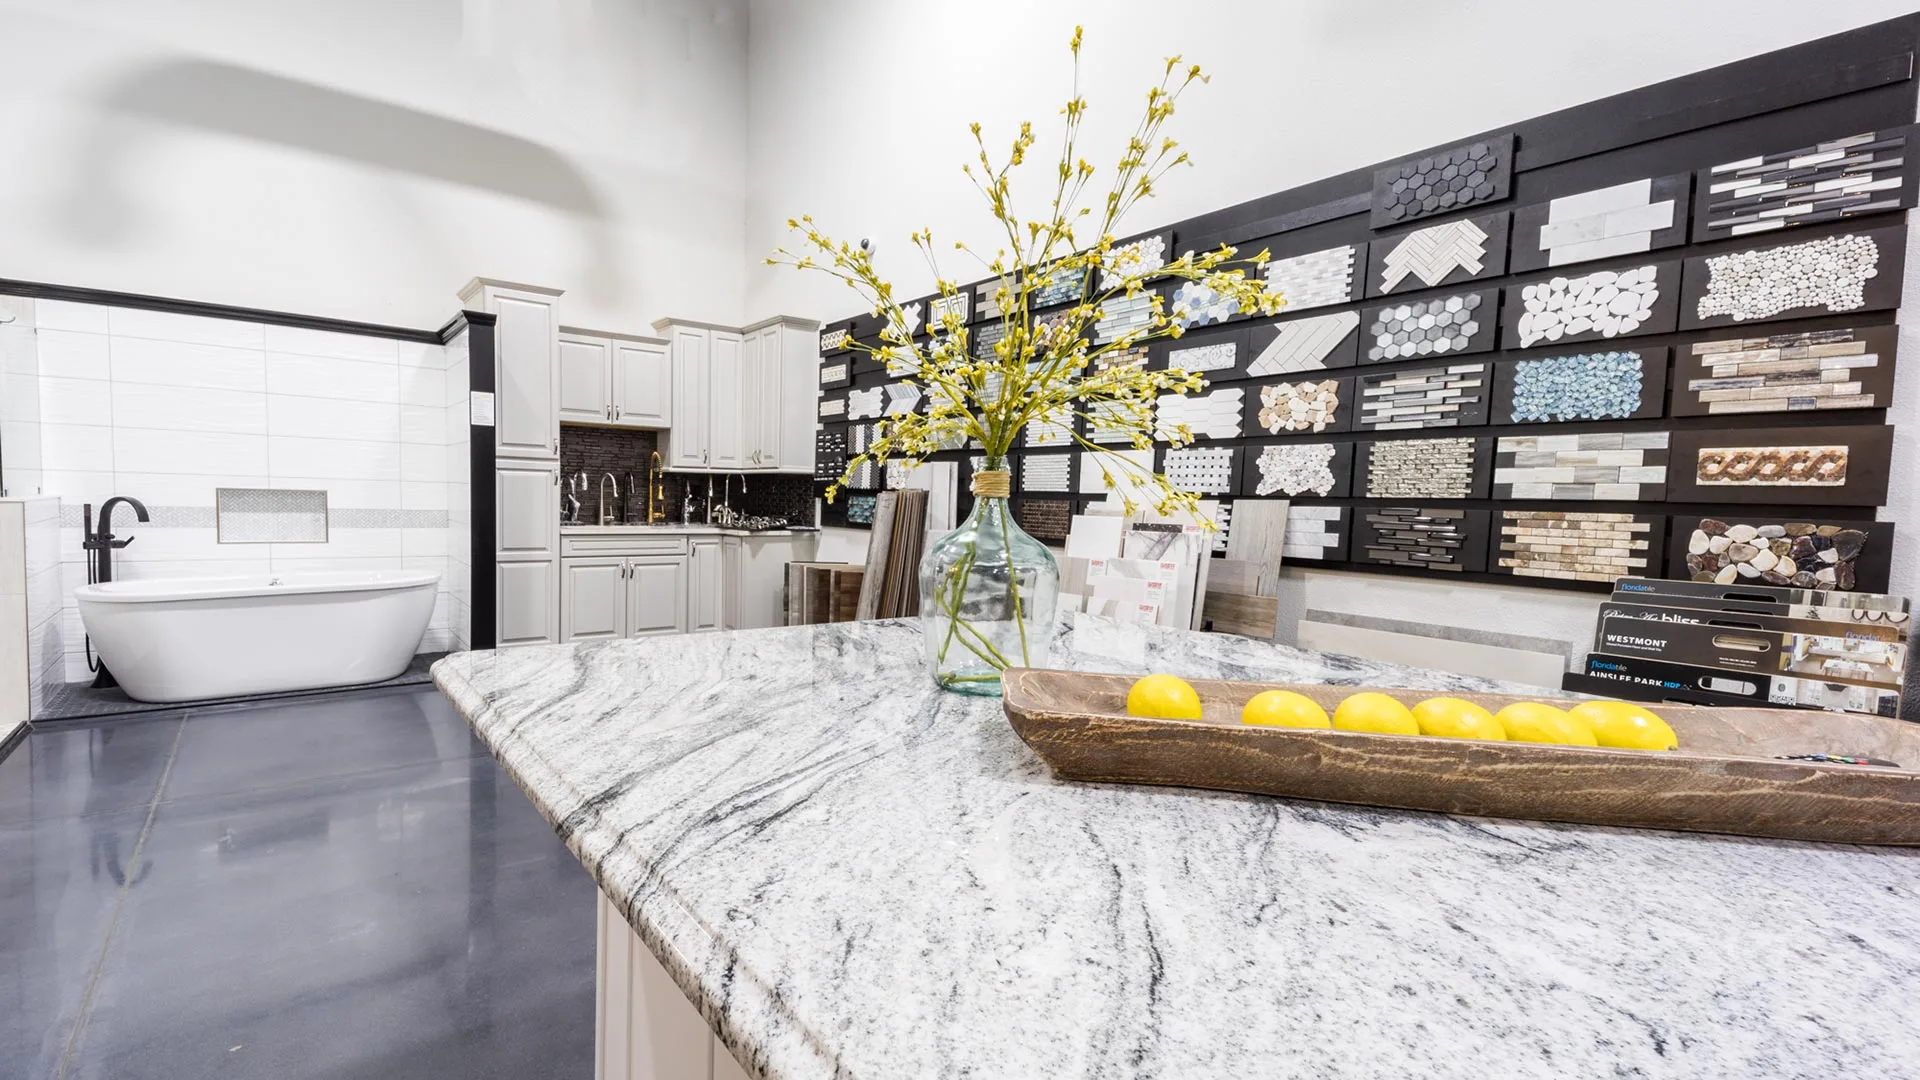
x: 459, y: 579
x: 19, y: 399
x: 166, y: 408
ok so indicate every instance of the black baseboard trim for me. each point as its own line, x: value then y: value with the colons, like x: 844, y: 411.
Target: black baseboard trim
x: 38, y: 290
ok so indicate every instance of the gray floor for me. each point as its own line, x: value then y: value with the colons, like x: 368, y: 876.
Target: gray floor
x: 332, y: 887
x: 80, y: 701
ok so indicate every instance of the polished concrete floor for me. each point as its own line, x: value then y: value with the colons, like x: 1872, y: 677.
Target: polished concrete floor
x: 333, y: 888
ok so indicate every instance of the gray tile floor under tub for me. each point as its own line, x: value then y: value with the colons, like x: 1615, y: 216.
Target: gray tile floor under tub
x: 335, y: 887
x: 80, y: 701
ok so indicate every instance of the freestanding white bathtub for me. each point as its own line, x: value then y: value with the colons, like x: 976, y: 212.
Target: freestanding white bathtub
x: 183, y: 639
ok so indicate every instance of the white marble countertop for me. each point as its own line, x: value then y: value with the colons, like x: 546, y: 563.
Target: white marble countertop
x: 856, y: 876
x: 666, y: 529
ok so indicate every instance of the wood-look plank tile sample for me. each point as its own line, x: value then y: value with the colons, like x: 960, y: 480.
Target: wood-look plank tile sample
x: 1817, y: 553
x: 1423, y: 469
x: 1421, y: 538
x: 1603, y: 223
x: 1316, y: 533
x: 1830, y: 466
x: 1290, y: 468
x: 1259, y: 539
x: 1305, y: 406
x: 1449, y: 253
x: 1826, y: 275
x: 1447, y: 395
x: 1440, y: 182
x: 1576, y: 545
x: 1810, y: 371
x: 1848, y: 177
x: 1612, y: 302
x: 1620, y: 383
x: 1316, y: 343
x: 1431, y: 328
x: 1603, y: 466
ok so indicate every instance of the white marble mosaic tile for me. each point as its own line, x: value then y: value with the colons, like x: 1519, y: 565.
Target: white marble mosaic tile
x: 1133, y: 259
x: 1045, y: 472
x: 1312, y: 532
x: 1214, y: 415
x: 1295, y: 469
x: 270, y: 515
x: 1606, y: 302
x: 1830, y: 273
x: 1304, y: 344
x: 1201, y: 470
x: 1617, y: 220
x: 1434, y: 252
x: 866, y: 404
x: 1315, y: 279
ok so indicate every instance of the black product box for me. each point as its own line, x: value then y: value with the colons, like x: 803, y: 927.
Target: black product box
x: 1867, y: 654
x: 1730, y: 601
x: 1661, y: 590
x: 1654, y: 680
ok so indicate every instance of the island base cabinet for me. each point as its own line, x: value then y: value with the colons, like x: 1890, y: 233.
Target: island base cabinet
x: 644, y: 1027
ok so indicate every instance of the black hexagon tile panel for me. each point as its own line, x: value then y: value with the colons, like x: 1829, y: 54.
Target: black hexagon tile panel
x: 1438, y: 183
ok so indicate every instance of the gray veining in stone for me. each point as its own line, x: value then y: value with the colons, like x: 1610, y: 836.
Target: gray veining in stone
x: 856, y: 876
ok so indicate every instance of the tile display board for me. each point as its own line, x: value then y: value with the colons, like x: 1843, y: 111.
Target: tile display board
x: 1801, y: 551
x: 1682, y: 296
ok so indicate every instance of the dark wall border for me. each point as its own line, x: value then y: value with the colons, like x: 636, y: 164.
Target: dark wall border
x: 482, y: 597
x: 41, y: 291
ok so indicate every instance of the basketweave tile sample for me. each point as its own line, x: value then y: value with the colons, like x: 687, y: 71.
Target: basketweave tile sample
x: 1449, y: 253
x: 1601, y: 467
x: 1436, y: 326
x: 1194, y: 304
x: 1421, y: 538
x: 835, y: 340
x: 1448, y: 395
x: 866, y: 404
x: 1046, y: 472
x: 1810, y: 371
x: 1797, y: 552
x: 835, y: 373
x: 1317, y: 278
x: 1830, y: 466
x: 1639, y: 298
x: 1203, y: 470
x: 833, y: 408
x: 829, y: 453
x: 1135, y: 258
x: 1299, y: 407
x: 1452, y: 468
x: 1604, y: 223
x: 1120, y: 464
x: 1621, y: 383
x: 1575, y: 545
x: 1061, y: 285
x: 1311, y: 344
x: 1044, y: 519
x: 1315, y: 534
x: 1825, y: 275
x: 1859, y: 174
x: 1290, y: 468
x: 1121, y: 315
x: 1207, y: 415
x: 1446, y: 180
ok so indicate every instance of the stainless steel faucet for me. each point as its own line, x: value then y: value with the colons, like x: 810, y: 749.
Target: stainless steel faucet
x: 609, y: 517
x: 726, y: 499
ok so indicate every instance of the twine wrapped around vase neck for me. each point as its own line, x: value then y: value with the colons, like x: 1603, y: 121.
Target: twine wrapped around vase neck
x: 993, y: 483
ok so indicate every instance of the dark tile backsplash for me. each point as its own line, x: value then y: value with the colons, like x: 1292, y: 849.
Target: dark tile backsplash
x: 597, y: 451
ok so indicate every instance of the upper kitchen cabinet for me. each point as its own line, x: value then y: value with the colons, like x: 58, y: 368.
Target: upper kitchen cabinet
x: 613, y: 379
x: 526, y: 385
x: 743, y: 400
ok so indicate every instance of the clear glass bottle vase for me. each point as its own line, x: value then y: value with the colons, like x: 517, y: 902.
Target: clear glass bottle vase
x: 987, y: 594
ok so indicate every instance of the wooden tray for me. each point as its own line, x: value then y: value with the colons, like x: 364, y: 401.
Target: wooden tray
x: 1725, y: 779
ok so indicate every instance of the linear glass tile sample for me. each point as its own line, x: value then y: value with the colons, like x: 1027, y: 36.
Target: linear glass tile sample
x: 1132, y: 259
x: 1448, y: 180
x: 1611, y: 466
x: 1045, y: 472
x: 1315, y: 279
x: 860, y: 509
x: 1847, y: 177
x: 1316, y: 533
x: 1421, y: 469
x: 1304, y: 344
x: 1609, y: 221
x: 1122, y: 315
x: 1310, y: 405
x: 1819, y: 369
x: 1574, y: 546
x: 1421, y: 538
x: 1295, y: 469
x: 1778, y: 551
x: 1829, y: 274
x: 1772, y: 466
x: 1431, y: 254
x: 1205, y: 470
x: 1579, y: 386
x: 866, y: 404
x: 984, y: 336
x: 1446, y: 396
x: 1429, y: 327
x: 1214, y: 415
x: 1606, y: 302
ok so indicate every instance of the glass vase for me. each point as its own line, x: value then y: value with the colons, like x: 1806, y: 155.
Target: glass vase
x: 987, y: 595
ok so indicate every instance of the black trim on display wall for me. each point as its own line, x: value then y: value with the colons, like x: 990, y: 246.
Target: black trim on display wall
x: 482, y: 600
x: 72, y: 294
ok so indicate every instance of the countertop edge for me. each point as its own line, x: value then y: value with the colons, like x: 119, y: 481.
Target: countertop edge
x: 708, y: 973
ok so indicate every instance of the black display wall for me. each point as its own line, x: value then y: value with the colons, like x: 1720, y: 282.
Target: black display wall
x: 1681, y: 296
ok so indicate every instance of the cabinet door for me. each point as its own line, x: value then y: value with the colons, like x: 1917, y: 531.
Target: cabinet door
x: 732, y: 563
x: 584, y: 379
x: 593, y: 599
x: 799, y: 398
x: 526, y: 388
x: 526, y: 607
x: 527, y: 509
x: 765, y: 390
x: 641, y: 384
x: 726, y: 438
x: 690, y: 350
x: 656, y: 595
x: 704, y: 592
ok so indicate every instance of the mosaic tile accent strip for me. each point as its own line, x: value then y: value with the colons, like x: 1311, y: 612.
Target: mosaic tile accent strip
x: 1304, y: 344
x: 1061, y: 285
x: 1771, y: 466
x: 1421, y: 469
x: 1133, y: 259
x: 1315, y: 279
x: 959, y: 305
x: 1133, y: 357
x: 835, y: 340
x: 1217, y: 356
x: 1195, y: 304
x: 1609, y: 221
x: 1432, y: 253
x: 1055, y: 429
x: 1299, y: 406
x: 833, y: 374
x: 866, y: 404
x: 1796, y: 554
x: 1206, y: 470
x: 1315, y: 533
x: 1607, y: 302
x: 1462, y: 176
x: 1044, y: 519
x: 1607, y: 467
x: 902, y: 398
x: 1295, y: 469
x: 1828, y: 181
x: 984, y: 336
x: 1425, y: 398
x: 1094, y: 471
x: 860, y: 509
x: 270, y: 516
x: 908, y: 324
x: 1820, y: 369
x: 1574, y: 546
x: 1830, y: 273
x: 1582, y: 386
x: 1046, y: 472
x: 833, y: 408
x: 1121, y: 315
x: 1428, y: 327
x: 1214, y: 415
x: 1419, y: 538
x: 829, y: 454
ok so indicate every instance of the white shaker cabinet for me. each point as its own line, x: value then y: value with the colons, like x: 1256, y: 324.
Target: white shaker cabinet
x: 526, y: 384
x: 689, y: 349
x: 642, y: 382
x: 586, y: 378
x: 613, y: 379
x: 706, y: 594
x: 656, y: 595
x: 743, y: 401
x: 593, y: 599
x: 728, y: 404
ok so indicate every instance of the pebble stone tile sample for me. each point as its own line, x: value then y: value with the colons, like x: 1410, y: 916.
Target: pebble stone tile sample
x: 1422, y: 538
x: 1443, y: 254
x: 829, y: 453
x: 1063, y: 284
x: 1844, y: 368
x: 1046, y: 472
x: 1195, y: 304
x: 1461, y: 323
x: 1842, y: 178
x: 1624, y: 219
x: 1476, y: 172
x: 1214, y: 415
x: 834, y: 374
x: 1133, y: 259
x: 835, y: 340
x: 1449, y: 396
x: 1122, y: 314
x: 1044, y: 519
x: 1294, y: 469
x: 860, y: 509
x: 1797, y: 554
x: 1315, y: 279
x: 1310, y: 405
x: 1615, y: 384
x: 1096, y: 467
x: 896, y: 475
x: 1607, y: 467
x: 1220, y: 355
x: 1315, y: 533
x: 833, y: 408
x: 958, y: 305
x: 866, y: 404
x: 1312, y: 344
x: 1604, y: 303
x: 1422, y: 469
x: 1204, y: 470
x: 1814, y: 277
x: 1575, y: 546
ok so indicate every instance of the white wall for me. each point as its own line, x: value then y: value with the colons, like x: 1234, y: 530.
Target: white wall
x: 1300, y: 91
x: 361, y: 159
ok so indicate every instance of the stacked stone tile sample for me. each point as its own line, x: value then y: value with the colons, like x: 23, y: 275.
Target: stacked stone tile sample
x: 1606, y: 302
x: 1299, y: 406
x: 1430, y: 254
x: 1134, y: 356
x: 1605, y: 467
x: 1425, y: 398
x: 1772, y: 466
x: 1421, y: 469
x: 1315, y: 279
x: 1800, y: 554
x: 1462, y: 176
x: 1419, y: 539
x: 1819, y: 369
x: 1583, y: 386
x: 1046, y: 472
x: 1599, y: 224
x: 1304, y: 344
x: 1426, y: 328
x: 1829, y: 274
x: 1574, y: 546
x: 1132, y: 259
x: 1214, y: 415
x: 1295, y: 469
x: 1840, y: 178
x: 1202, y: 470
x: 1317, y: 533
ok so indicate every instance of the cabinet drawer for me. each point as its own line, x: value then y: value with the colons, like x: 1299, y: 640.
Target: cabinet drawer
x: 572, y: 546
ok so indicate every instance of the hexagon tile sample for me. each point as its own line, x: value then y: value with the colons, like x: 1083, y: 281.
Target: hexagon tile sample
x: 1445, y: 324
x: 1133, y: 259
x: 1465, y: 175
x: 1207, y: 416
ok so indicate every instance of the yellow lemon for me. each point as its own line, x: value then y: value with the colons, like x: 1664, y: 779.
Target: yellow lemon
x: 1376, y: 712
x: 1283, y: 708
x: 1455, y: 719
x: 1531, y: 721
x: 1163, y: 697
x: 1627, y: 726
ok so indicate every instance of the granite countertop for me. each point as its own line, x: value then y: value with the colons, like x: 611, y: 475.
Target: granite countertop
x: 856, y: 876
x: 681, y: 530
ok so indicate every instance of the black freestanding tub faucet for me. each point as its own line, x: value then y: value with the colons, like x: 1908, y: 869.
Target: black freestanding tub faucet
x: 101, y: 544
